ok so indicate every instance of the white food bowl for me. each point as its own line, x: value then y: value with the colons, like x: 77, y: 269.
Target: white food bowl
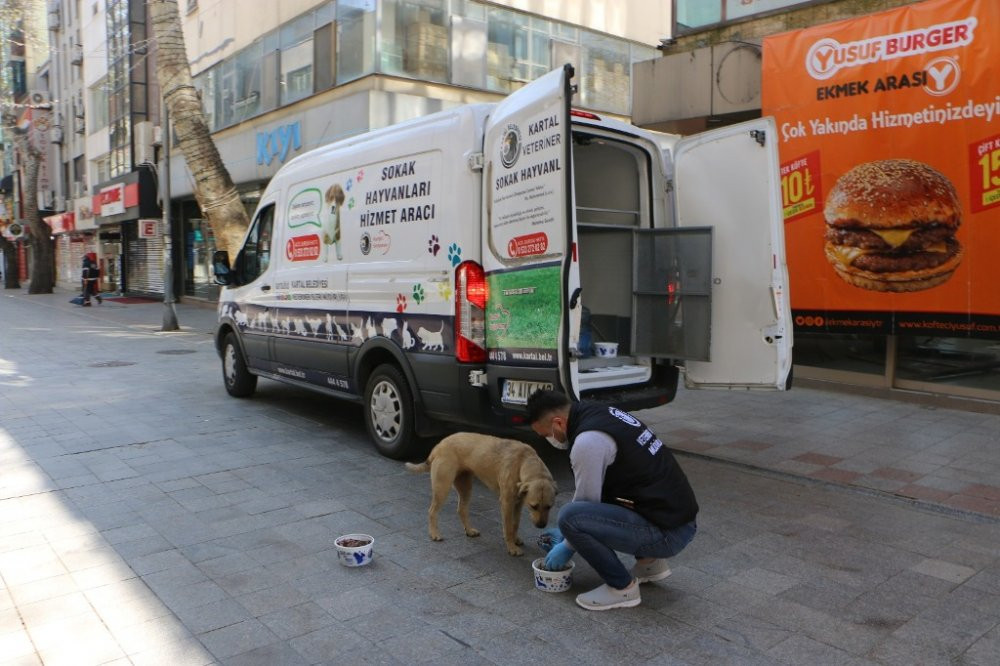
x: 552, y: 581
x: 351, y: 553
x: 606, y: 349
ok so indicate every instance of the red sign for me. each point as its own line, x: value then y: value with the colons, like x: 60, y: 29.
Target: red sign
x: 112, y: 200
x: 62, y: 223
x: 523, y: 246
x: 149, y: 228
x: 303, y: 248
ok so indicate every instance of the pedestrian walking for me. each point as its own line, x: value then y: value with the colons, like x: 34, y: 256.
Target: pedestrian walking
x: 90, y: 277
x: 630, y: 496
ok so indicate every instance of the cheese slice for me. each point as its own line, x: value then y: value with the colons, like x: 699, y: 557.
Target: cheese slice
x: 937, y: 247
x: 894, y: 237
x: 847, y: 254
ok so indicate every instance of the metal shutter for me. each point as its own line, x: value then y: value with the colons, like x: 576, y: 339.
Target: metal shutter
x: 145, y: 265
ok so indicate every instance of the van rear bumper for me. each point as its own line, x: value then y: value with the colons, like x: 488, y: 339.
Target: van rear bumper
x: 659, y: 390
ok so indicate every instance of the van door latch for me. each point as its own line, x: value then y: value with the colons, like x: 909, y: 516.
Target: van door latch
x: 477, y: 378
x: 476, y: 162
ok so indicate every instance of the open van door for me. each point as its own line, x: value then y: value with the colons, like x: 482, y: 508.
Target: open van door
x: 529, y: 242
x: 727, y: 179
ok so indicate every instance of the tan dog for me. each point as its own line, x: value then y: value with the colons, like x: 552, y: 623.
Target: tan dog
x: 509, y: 468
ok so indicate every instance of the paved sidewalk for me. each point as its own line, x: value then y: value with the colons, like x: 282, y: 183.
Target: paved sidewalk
x: 148, y: 518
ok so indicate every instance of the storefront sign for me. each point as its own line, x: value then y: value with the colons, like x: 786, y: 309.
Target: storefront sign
x: 112, y: 200
x: 891, y: 168
x: 278, y: 143
x: 149, y: 228
x: 62, y: 223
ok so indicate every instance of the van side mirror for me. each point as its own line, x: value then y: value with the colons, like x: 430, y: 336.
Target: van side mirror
x: 220, y: 267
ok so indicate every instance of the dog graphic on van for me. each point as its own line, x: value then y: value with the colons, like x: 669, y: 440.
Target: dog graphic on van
x: 431, y: 340
x: 334, y: 201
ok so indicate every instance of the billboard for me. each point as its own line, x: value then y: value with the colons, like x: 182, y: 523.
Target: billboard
x: 890, y: 148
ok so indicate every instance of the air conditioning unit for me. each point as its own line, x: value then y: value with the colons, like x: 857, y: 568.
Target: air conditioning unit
x: 39, y: 97
x: 157, y: 136
x: 56, y: 134
x: 55, y: 22
x: 142, y: 140
x: 76, y: 55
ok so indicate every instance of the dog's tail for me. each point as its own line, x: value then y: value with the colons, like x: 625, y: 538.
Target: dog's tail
x: 418, y: 468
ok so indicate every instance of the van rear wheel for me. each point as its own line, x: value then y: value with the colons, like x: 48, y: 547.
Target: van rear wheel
x: 389, y: 412
x: 240, y: 383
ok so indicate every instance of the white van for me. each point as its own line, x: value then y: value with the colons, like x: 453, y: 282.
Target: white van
x: 442, y: 269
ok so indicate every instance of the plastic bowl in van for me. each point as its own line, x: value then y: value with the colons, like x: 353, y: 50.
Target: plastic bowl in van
x: 606, y: 349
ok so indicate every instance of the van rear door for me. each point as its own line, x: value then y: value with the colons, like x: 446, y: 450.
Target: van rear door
x: 727, y: 180
x: 529, y: 242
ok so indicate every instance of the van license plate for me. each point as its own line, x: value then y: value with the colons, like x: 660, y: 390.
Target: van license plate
x: 516, y: 391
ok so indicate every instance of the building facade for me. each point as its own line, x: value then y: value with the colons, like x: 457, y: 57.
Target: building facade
x: 297, y: 75
x: 709, y: 75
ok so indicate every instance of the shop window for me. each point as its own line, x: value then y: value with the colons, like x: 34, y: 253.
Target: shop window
x: 841, y: 352
x: 414, y: 39
x: 951, y: 362
x: 693, y: 14
x: 199, y: 246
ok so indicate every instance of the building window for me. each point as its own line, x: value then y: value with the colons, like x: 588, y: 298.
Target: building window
x: 606, y: 75
x: 414, y: 40
x: 296, y: 58
x: 355, y: 39
x: 695, y: 15
x: 99, y: 106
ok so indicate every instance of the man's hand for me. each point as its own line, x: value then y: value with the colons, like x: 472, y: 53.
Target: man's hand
x: 558, y: 557
x: 549, y: 538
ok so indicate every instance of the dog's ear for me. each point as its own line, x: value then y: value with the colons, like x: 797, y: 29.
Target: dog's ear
x: 522, y: 489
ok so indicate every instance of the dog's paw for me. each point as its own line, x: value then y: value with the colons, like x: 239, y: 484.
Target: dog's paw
x: 515, y: 551
x: 519, y: 541
x: 472, y: 532
x: 437, y: 537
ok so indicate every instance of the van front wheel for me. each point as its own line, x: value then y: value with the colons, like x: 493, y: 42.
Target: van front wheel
x: 389, y: 412
x: 240, y: 383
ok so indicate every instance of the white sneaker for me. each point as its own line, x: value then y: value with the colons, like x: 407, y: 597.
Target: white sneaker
x: 606, y: 598
x: 655, y: 570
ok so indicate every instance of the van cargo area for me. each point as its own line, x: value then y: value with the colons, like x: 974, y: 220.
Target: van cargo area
x: 612, y: 199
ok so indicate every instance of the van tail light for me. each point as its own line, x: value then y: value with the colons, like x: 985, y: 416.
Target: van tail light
x: 471, y: 294
x: 672, y: 287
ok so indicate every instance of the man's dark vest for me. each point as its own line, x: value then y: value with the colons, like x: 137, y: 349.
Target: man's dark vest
x: 644, y: 471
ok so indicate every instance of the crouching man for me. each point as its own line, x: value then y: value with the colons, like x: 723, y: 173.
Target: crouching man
x: 630, y: 496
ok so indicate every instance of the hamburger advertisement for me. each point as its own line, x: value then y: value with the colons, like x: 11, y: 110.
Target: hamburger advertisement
x: 890, y: 148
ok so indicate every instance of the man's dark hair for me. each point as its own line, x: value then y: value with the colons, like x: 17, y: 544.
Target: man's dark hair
x: 543, y: 401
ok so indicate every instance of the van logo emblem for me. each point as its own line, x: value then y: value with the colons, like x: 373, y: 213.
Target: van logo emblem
x: 366, y: 243
x: 510, y: 146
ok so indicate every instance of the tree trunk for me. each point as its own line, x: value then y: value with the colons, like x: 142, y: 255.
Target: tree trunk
x: 213, y: 187
x: 43, y: 275
x: 12, y: 265
x: 42, y: 254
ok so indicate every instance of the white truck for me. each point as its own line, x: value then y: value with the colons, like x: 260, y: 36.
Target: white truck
x: 442, y: 269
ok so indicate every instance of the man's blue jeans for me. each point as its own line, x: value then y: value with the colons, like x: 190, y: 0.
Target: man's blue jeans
x: 596, y: 530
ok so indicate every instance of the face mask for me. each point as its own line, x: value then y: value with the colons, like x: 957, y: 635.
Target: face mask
x: 562, y: 446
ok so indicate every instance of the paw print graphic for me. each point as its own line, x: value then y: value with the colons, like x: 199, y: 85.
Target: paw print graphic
x: 400, y: 302
x: 350, y: 204
x: 418, y: 293
x: 349, y: 184
x: 361, y: 175
x: 454, y: 254
x: 433, y: 246
x: 444, y: 290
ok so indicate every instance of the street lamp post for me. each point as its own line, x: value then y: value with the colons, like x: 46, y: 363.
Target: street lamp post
x: 169, y: 311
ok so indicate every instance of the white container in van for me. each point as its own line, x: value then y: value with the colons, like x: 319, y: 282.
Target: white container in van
x: 436, y: 270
